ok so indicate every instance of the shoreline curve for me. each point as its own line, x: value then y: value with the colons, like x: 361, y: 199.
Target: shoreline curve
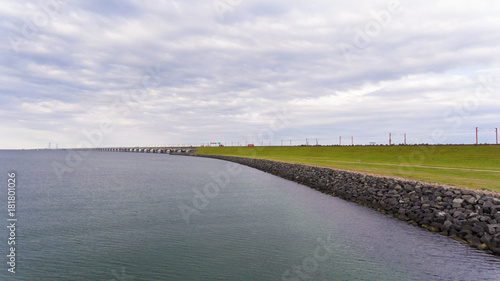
x: 467, y: 215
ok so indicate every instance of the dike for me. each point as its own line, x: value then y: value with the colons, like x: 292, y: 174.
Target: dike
x: 467, y: 215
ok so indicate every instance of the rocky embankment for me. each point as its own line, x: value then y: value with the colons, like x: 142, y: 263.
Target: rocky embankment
x: 469, y: 215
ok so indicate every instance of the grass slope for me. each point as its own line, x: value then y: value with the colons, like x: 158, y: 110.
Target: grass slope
x: 460, y: 165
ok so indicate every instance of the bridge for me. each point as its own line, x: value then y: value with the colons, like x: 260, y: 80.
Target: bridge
x: 174, y: 150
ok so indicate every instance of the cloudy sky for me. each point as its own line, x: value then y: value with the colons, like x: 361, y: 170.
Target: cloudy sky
x: 127, y: 73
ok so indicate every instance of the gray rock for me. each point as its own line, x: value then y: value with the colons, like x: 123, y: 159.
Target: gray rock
x: 472, y: 215
x: 447, y: 225
x: 440, y: 217
x: 466, y: 197
x: 449, y: 193
x: 477, y: 229
x: 475, y: 241
x: 486, y: 239
x: 469, y: 207
x: 458, y: 214
x: 418, y: 189
x: 473, y: 221
x: 484, y: 218
x: 491, y: 229
x: 471, y: 200
x: 488, y: 204
x: 436, y: 225
x: 441, y: 214
x: 409, y: 187
x: 444, y: 204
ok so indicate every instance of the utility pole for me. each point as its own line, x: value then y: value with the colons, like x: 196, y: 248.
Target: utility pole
x: 477, y: 139
x: 352, y: 140
x: 390, y: 140
x: 340, y: 140
x: 496, y: 131
x: 307, y: 144
x: 405, y: 138
x: 316, y: 142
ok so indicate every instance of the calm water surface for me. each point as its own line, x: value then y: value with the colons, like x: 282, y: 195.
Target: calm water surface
x: 130, y: 216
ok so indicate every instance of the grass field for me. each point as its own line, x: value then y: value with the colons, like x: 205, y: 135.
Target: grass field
x: 459, y: 165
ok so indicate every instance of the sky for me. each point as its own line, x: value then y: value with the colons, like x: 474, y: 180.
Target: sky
x: 153, y: 73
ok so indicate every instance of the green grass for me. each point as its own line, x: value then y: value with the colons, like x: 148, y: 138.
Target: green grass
x: 460, y: 165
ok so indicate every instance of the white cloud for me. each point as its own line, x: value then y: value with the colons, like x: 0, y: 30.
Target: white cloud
x: 224, y: 79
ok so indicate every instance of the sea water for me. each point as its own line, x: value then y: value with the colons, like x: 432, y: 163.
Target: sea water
x: 143, y: 216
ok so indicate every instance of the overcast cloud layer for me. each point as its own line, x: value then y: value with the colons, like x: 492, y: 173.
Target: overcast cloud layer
x: 127, y: 73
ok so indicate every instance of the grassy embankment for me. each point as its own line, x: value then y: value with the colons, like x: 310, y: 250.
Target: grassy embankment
x: 462, y: 165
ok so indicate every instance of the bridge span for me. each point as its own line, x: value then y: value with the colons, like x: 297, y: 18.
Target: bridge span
x: 175, y: 150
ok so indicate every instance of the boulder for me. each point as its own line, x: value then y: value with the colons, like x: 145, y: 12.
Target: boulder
x: 471, y: 200
x: 409, y: 187
x: 457, y: 202
x: 441, y: 216
x: 477, y: 229
x: 435, y: 226
x: 458, y: 214
x: 486, y: 239
x: 474, y: 241
x: 491, y: 229
x: 447, y: 225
